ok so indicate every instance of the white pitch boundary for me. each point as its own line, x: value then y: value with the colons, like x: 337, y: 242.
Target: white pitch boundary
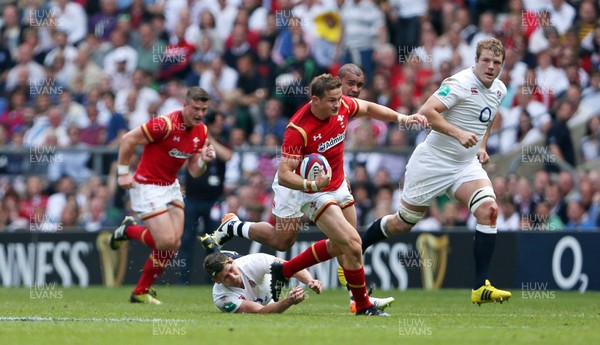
x: 84, y: 319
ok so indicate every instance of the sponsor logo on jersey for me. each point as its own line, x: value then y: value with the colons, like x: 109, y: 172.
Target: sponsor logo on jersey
x: 331, y: 142
x: 178, y: 154
x: 474, y: 91
x: 444, y: 90
x: 499, y: 94
x: 229, y: 307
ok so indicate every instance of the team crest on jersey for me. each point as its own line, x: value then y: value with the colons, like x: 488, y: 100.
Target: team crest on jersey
x: 444, y: 90
x: 252, y: 282
x: 499, y: 94
x: 340, y: 118
x: 474, y: 91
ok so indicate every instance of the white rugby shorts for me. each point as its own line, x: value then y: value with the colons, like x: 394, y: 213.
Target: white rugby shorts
x: 428, y: 176
x: 150, y: 199
x: 291, y: 203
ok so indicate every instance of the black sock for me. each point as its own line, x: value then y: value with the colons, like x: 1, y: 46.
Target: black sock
x: 372, y: 235
x: 483, y: 248
x: 230, y: 229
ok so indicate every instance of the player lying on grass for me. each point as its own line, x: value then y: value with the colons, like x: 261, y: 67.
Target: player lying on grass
x: 242, y: 285
x: 238, y: 285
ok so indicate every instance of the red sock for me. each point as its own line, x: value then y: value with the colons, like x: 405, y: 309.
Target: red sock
x: 154, y: 267
x: 142, y: 234
x: 358, y: 286
x: 311, y: 256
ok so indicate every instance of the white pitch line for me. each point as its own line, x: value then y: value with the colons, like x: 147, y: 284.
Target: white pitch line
x: 93, y: 319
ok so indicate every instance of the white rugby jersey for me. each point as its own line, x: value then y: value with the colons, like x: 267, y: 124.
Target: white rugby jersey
x: 471, y: 107
x: 255, y: 271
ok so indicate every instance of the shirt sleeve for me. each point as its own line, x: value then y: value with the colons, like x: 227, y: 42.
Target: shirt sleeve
x: 450, y: 92
x: 294, y: 141
x: 228, y: 303
x: 352, y: 105
x: 157, y: 129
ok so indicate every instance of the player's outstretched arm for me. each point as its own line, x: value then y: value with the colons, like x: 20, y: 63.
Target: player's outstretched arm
x: 383, y: 113
x: 295, y: 296
x: 128, y: 143
x: 432, y: 109
x: 305, y: 277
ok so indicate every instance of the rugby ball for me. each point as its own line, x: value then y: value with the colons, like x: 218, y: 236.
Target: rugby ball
x: 311, y: 165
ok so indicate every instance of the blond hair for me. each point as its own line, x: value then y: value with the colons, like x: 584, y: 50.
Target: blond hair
x: 492, y: 44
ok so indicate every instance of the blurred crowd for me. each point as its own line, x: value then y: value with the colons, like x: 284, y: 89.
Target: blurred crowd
x: 79, y: 74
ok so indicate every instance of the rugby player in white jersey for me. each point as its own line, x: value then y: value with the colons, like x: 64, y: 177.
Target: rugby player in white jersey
x: 449, y: 161
x: 242, y: 284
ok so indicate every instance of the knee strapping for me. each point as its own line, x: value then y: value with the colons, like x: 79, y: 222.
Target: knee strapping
x: 409, y: 217
x: 480, y: 196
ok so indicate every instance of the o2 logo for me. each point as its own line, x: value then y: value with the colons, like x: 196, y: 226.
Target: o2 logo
x: 485, y: 114
x: 567, y: 283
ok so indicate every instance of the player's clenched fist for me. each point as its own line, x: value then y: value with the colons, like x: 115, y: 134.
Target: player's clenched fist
x: 208, y: 152
x: 315, y: 285
x: 296, y: 295
x: 417, y: 119
x: 125, y: 181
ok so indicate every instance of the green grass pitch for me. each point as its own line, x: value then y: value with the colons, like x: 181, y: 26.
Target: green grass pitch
x: 99, y: 315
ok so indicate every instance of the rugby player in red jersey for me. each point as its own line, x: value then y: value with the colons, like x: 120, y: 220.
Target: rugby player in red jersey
x: 283, y: 235
x: 320, y: 127
x: 169, y: 142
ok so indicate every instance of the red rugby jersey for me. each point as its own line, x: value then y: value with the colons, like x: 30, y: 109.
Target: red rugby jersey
x: 306, y: 134
x: 171, y: 143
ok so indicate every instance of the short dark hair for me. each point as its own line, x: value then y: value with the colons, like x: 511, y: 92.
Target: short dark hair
x: 349, y: 68
x: 214, y: 263
x: 196, y: 93
x: 322, y: 83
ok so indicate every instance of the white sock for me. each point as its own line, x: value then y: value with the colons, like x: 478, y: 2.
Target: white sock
x: 383, y: 225
x: 246, y: 229
x: 486, y: 229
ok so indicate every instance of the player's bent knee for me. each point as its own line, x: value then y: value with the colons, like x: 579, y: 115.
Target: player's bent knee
x: 354, y: 248
x: 283, y: 244
x: 487, y: 213
x: 168, y: 243
x: 407, y: 219
x: 481, y: 196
